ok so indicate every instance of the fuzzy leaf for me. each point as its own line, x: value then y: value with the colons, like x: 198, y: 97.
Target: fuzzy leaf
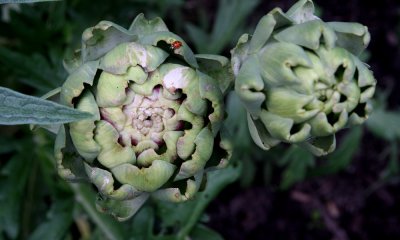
x: 18, y: 108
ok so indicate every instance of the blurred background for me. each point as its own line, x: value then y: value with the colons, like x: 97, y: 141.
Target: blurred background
x: 284, y: 193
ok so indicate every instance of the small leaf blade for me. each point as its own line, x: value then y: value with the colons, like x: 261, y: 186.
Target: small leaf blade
x: 17, y: 108
x: 58, y: 222
x: 384, y: 124
x: 343, y: 156
x: 202, y: 232
x: 13, y: 180
x: 297, y: 161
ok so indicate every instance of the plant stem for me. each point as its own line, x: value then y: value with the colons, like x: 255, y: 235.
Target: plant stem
x: 86, y: 199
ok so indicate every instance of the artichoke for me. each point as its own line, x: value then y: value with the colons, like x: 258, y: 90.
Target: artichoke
x: 156, y: 120
x: 301, y: 79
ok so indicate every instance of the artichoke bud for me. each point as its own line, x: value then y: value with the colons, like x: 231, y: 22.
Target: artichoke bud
x: 157, y: 118
x: 301, y: 79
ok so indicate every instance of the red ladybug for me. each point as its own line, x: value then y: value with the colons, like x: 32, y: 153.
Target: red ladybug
x: 176, y: 45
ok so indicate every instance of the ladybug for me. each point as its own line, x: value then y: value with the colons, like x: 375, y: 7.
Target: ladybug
x: 176, y: 45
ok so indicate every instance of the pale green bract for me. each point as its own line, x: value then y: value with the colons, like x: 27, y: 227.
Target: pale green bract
x: 301, y: 80
x: 158, y: 117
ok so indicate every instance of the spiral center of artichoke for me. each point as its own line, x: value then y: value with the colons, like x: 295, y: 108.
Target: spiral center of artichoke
x: 145, y: 117
x: 142, y: 120
x: 148, y: 118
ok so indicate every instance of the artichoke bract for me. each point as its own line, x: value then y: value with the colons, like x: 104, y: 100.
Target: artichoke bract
x: 156, y: 117
x: 301, y: 79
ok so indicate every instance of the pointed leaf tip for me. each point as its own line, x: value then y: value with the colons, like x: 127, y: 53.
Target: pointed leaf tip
x: 302, y: 11
x: 143, y: 26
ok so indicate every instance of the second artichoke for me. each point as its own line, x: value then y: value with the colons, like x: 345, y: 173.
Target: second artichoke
x: 301, y: 79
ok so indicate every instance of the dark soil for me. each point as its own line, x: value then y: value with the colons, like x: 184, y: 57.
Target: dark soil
x: 352, y: 204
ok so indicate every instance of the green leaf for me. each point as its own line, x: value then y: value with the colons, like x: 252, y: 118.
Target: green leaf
x: 184, y: 216
x: 121, y: 210
x: 18, y: 108
x: 13, y: 180
x: 352, y: 36
x: 236, y: 123
x: 57, y: 224
x: 298, y: 160
x: 184, y: 51
x: 33, y: 70
x: 342, y: 157
x: 385, y: 124
x: 228, y: 24
x: 100, y: 39
x: 302, y: 11
x: 199, y: 36
x: 111, y: 229
x: 143, y: 223
x: 143, y: 26
x: 249, y: 171
x: 230, y: 16
x: 7, y: 144
x: 201, y: 232
x: 217, y: 67
x: 26, y: 1
x: 392, y: 169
